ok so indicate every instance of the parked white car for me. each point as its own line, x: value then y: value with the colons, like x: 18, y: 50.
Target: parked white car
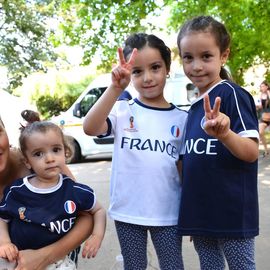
x: 71, y: 121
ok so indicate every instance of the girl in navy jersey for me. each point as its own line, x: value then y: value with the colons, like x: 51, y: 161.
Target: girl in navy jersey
x: 219, y: 206
x: 41, y: 208
x: 11, y: 168
x: 145, y: 185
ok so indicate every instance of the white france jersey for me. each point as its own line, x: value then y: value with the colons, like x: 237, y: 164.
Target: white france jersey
x: 145, y: 184
x: 38, y: 217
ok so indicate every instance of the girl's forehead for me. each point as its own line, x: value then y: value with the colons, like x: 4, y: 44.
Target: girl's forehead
x: 147, y: 54
x: 198, y: 41
x: 39, y: 138
x: 198, y: 35
x: 45, y: 133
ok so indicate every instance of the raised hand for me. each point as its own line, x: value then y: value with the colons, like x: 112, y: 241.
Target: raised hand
x: 216, y: 124
x: 121, y: 73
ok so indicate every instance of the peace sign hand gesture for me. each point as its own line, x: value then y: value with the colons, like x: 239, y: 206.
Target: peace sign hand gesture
x: 121, y: 74
x: 216, y: 124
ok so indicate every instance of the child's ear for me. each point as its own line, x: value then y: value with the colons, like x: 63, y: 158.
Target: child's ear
x: 27, y: 164
x: 225, y: 56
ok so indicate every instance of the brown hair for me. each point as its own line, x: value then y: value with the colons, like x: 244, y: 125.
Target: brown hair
x: 42, y: 127
x: 266, y: 83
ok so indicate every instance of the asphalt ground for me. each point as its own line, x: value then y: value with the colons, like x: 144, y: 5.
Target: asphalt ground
x: 100, y: 170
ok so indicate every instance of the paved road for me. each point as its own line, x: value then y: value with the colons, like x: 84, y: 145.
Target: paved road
x: 96, y: 174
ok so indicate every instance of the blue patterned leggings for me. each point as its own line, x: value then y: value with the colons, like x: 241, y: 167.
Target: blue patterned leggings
x: 133, y: 243
x: 239, y: 253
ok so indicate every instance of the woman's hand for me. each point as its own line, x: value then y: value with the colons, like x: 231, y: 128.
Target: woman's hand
x: 31, y: 260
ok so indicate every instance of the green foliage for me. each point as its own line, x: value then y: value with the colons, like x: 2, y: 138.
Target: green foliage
x: 24, y: 42
x: 101, y: 26
x: 64, y: 96
x: 247, y: 22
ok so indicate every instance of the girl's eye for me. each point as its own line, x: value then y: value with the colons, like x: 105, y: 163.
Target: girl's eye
x: 57, y: 149
x: 38, y: 154
x: 136, y: 71
x: 207, y: 56
x: 187, y: 58
x: 156, y: 67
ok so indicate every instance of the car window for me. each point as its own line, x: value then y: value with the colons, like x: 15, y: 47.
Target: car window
x: 90, y: 98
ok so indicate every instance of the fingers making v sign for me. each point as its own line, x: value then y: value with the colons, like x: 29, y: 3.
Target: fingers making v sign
x: 122, y: 72
x: 216, y: 124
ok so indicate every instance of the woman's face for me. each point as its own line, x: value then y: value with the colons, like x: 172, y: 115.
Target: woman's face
x: 4, y: 147
x: 263, y: 88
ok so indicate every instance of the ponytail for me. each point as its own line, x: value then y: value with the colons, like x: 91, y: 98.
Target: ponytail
x: 225, y: 75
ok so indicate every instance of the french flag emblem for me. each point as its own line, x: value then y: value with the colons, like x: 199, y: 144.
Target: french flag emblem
x: 70, y: 207
x: 175, y: 131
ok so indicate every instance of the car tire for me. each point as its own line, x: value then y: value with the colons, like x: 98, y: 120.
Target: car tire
x: 75, y: 151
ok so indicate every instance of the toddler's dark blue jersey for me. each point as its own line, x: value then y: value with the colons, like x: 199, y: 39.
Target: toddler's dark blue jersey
x: 39, y: 217
x: 219, y: 193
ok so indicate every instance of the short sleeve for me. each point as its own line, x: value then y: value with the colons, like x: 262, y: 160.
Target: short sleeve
x: 85, y: 197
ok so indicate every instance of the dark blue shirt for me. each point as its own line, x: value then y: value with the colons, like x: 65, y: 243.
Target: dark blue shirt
x: 219, y: 193
x: 39, y: 217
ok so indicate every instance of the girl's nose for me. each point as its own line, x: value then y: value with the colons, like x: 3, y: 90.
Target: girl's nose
x: 197, y: 65
x: 147, y: 76
x: 49, y: 157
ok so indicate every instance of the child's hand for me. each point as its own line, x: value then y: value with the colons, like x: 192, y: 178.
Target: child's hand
x: 9, y: 251
x: 91, y: 246
x: 121, y: 74
x: 216, y: 124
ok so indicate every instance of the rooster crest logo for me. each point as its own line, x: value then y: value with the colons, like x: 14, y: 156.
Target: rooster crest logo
x: 131, y: 121
x: 21, y: 211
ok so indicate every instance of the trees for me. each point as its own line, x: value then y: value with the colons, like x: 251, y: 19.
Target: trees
x: 100, y: 26
x: 247, y: 22
x: 24, y: 44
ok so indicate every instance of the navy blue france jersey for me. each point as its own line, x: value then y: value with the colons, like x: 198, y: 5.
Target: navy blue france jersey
x: 219, y: 192
x: 38, y: 217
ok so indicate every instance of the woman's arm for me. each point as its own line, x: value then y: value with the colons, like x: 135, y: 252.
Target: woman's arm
x: 39, y: 259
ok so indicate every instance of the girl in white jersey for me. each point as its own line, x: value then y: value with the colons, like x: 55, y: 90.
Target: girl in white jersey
x: 219, y: 206
x: 145, y: 185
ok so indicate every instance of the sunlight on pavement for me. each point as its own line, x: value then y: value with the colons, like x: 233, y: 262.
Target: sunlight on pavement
x: 266, y: 182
